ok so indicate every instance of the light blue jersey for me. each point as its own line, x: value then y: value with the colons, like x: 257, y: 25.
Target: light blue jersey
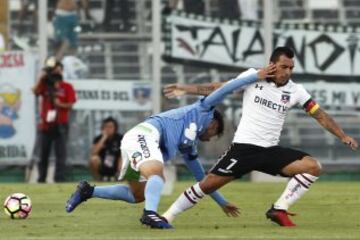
x: 180, y: 128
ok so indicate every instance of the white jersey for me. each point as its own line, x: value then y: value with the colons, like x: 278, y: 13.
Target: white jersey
x: 265, y: 107
x: 74, y: 68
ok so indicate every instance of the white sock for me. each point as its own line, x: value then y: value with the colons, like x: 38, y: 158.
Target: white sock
x: 295, y: 189
x: 186, y: 200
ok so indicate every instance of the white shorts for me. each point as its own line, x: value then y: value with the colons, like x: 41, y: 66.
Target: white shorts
x: 139, y: 144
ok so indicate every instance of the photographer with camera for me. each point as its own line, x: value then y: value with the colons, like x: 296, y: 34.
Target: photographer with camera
x: 57, y: 99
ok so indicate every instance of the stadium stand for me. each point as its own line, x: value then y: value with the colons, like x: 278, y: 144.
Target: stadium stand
x: 345, y: 11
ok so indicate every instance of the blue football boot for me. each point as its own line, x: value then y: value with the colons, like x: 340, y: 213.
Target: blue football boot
x: 83, y: 192
x: 154, y: 220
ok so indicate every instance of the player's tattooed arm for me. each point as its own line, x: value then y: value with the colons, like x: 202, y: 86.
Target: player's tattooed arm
x: 207, y: 88
x: 333, y: 127
x: 178, y: 90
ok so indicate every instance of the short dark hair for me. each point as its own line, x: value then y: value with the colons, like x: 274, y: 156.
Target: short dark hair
x: 220, y: 119
x: 108, y: 120
x: 279, y: 51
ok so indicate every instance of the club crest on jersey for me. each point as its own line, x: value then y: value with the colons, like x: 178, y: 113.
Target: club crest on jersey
x: 285, y: 98
x: 136, y: 157
x: 259, y: 86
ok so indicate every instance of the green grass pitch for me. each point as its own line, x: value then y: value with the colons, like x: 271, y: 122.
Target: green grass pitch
x: 330, y: 210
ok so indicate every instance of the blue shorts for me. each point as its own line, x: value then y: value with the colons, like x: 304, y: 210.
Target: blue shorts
x: 64, y: 27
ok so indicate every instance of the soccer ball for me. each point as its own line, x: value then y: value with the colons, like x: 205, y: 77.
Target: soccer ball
x: 17, y: 206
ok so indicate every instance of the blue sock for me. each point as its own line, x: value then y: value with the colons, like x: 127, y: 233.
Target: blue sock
x: 153, y: 190
x: 114, y: 192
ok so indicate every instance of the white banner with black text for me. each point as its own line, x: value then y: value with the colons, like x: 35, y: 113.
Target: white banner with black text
x: 319, y: 49
x: 335, y: 94
x: 112, y: 95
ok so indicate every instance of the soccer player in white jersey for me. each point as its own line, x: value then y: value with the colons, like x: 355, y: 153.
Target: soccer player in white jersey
x: 255, y: 144
x: 148, y: 145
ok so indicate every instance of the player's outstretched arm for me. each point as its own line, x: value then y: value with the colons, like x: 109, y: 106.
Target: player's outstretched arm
x: 177, y: 90
x: 333, y: 127
x: 243, y: 79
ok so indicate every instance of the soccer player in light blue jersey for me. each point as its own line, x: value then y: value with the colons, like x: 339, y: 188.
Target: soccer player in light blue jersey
x: 149, y: 144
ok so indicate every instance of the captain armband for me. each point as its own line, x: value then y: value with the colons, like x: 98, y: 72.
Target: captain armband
x: 311, y: 106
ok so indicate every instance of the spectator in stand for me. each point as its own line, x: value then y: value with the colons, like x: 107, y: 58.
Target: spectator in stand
x: 66, y: 26
x: 105, y: 152
x: 57, y: 97
x: 74, y: 68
